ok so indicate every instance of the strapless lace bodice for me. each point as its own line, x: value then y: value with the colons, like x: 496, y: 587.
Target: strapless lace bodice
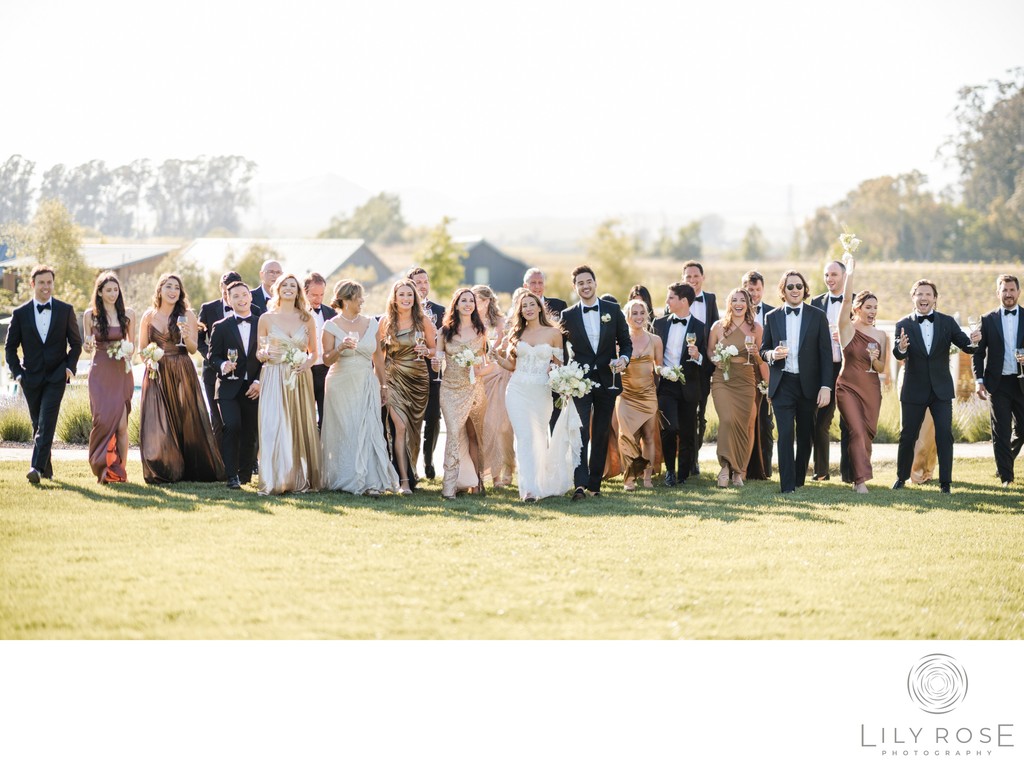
x: 532, y: 362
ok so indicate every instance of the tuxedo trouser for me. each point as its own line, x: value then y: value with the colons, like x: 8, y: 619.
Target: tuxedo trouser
x: 595, y: 410
x: 240, y: 417
x: 678, y: 419
x: 319, y: 379
x: 431, y: 423
x: 1007, y: 424
x: 43, y: 408
x: 792, y: 407
x: 702, y: 421
x: 766, y: 439
x: 822, y: 438
x: 911, y: 417
x: 210, y: 386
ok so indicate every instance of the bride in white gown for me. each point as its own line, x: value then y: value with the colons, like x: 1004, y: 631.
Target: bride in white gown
x: 545, y: 462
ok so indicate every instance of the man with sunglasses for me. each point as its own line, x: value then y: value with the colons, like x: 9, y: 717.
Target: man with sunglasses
x: 798, y: 349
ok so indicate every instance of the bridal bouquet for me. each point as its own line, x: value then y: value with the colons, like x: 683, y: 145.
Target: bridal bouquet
x: 152, y: 354
x: 675, y: 374
x: 762, y: 387
x: 849, y: 242
x: 466, y: 358
x: 293, y: 357
x: 570, y: 381
x: 722, y: 356
x: 123, y: 350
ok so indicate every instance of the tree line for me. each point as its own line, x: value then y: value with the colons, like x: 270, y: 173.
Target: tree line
x: 179, y: 198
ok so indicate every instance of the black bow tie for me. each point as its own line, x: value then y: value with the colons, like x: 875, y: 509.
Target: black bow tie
x: 245, y: 320
x: 699, y: 299
x: 43, y: 307
x: 595, y: 307
x: 834, y: 299
x: 1009, y: 312
x: 228, y: 309
x: 928, y: 318
x: 791, y: 310
x: 678, y: 320
x: 317, y: 309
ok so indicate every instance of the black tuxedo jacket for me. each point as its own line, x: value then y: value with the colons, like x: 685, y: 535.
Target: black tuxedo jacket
x: 225, y: 336
x: 814, y: 355
x: 614, y: 331
x: 988, y: 359
x: 818, y: 301
x: 692, y: 387
x: 928, y: 373
x: 43, y: 362
x: 555, y: 306
x: 209, y: 314
x: 765, y: 310
x: 710, y: 317
x: 326, y: 312
x: 259, y: 299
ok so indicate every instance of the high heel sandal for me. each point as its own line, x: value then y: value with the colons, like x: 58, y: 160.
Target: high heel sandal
x: 737, y: 478
x: 648, y: 484
x: 404, y: 490
x: 723, y: 477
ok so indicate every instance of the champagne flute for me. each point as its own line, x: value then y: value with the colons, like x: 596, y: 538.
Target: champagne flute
x: 354, y: 335
x: 1020, y: 361
x: 90, y: 343
x: 871, y: 360
x: 182, y: 323
x: 973, y: 322
x: 748, y: 341
x: 419, y: 336
x: 613, y: 387
x: 691, y: 339
x: 233, y: 358
x: 783, y: 343
x: 439, y: 354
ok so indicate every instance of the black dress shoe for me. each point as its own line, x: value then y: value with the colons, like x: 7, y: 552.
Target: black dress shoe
x: 898, y: 484
x: 233, y: 483
x: 32, y: 476
x: 944, y: 488
x: 579, y: 494
x: 670, y: 479
x: 428, y: 471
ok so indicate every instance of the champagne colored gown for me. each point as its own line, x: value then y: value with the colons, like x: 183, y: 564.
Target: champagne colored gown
x: 289, y: 443
x: 498, y: 454
x: 859, y: 399
x: 735, y: 401
x: 408, y: 390
x: 635, y: 407
x: 176, y: 437
x: 110, y: 399
x: 462, y: 407
x: 356, y: 456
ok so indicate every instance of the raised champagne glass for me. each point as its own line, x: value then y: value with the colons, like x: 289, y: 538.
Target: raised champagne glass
x: 748, y: 342
x: 973, y: 322
x: 611, y: 364
x: 691, y: 339
x: 439, y: 355
x: 233, y: 358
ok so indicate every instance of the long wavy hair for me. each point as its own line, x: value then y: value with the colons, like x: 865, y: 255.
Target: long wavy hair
x: 99, y: 311
x: 300, y: 297
x: 519, y: 321
x: 727, y: 316
x: 180, y: 308
x: 493, y: 312
x: 391, y: 311
x: 450, y: 325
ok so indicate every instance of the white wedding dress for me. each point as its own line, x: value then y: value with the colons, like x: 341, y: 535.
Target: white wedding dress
x: 545, y: 462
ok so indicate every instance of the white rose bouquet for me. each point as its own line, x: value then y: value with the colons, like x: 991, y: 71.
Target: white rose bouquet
x: 123, y: 350
x: 762, y: 387
x: 722, y: 356
x: 293, y: 357
x: 152, y: 354
x: 675, y: 374
x: 570, y: 381
x: 466, y: 358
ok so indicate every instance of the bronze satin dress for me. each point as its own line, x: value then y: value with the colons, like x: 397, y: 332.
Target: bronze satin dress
x: 176, y: 438
x: 859, y: 399
x: 497, y: 454
x: 636, y: 406
x: 735, y: 402
x: 110, y: 399
x: 291, y: 459
x: 462, y: 406
x: 408, y: 389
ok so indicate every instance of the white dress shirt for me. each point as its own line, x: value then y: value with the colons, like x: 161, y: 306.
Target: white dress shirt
x: 927, y: 330
x: 832, y: 309
x: 700, y: 308
x: 1009, y: 339
x: 675, y: 342
x: 42, y: 317
x: 793, y: 338
x: 759, y: 314
x: 318, y: 317
x: 592, y: 323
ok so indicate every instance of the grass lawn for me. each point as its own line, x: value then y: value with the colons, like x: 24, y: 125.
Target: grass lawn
x: 81, y: 560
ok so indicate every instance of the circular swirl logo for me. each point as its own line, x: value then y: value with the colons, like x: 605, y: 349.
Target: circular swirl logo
x: 937, y: 683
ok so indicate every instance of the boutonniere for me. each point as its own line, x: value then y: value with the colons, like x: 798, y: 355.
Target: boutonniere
x: 605, y: 318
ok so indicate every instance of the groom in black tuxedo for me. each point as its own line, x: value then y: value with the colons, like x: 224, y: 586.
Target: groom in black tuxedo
x: 995, y: 374
x: 923, y: 338
x: 705, y: 308
x: 46, y: 330
x: 594, y: 328
x: 238, y: 397
x: 798, y: 349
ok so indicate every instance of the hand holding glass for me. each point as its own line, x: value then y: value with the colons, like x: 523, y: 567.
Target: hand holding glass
x: 436, y: 362
x: 233, y: 358
x: 872, y: 356
x: 182, y: 324
x: 1020, y: 361
x: 421, y: 349
x: 614, y: 364
x: 748, y: 341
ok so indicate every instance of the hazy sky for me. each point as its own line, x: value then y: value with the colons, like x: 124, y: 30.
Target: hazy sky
x: 610, y: 104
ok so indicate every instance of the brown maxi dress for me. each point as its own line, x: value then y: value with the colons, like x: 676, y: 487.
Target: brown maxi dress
x: 498, y: 454
x: 735, y: 402
x: 859, y: 399
x: 462, y: 406
x: 176, y: 438
x: 110, y: 399
x: 636, y: 406
x: 408, y: 389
